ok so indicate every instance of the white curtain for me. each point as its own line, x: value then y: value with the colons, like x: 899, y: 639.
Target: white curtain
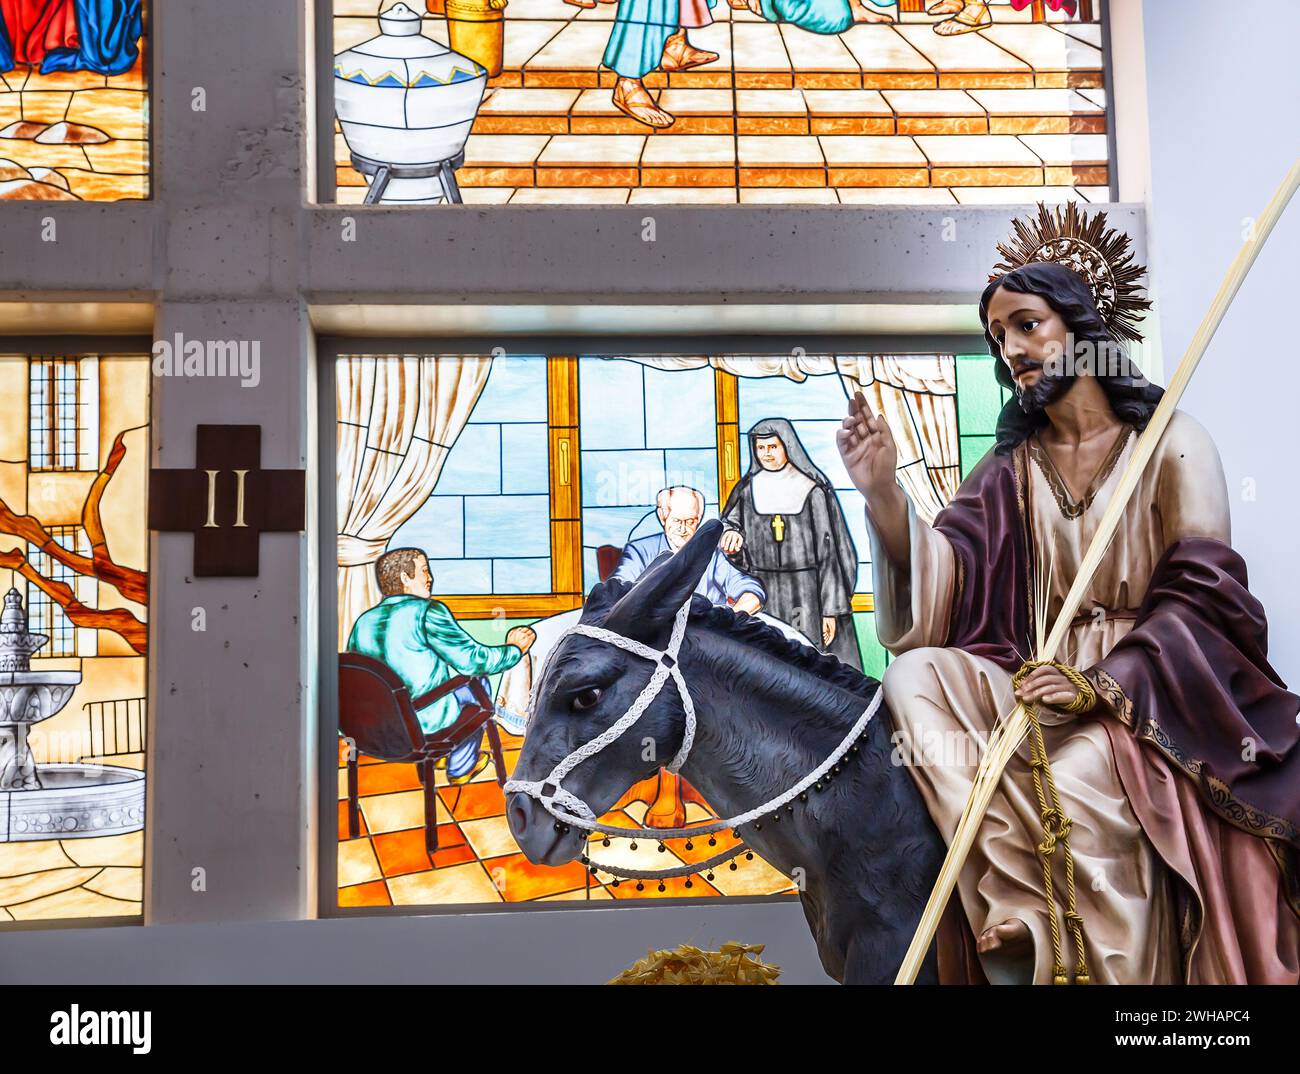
x: 398, y: 417
x: 917, y: 394
x: 918, y: 397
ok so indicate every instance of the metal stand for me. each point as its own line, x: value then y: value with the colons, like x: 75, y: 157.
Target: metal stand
x: 380, y: 174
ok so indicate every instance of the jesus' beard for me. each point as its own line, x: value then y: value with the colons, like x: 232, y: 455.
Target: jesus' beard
x: 1050, y: 387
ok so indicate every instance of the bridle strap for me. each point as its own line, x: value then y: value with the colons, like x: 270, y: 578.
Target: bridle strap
x: 667, y: 666
x: 549, y: 791
x: 567, y: 808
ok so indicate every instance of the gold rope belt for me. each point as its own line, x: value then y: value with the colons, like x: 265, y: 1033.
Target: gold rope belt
x: 1056, y: 825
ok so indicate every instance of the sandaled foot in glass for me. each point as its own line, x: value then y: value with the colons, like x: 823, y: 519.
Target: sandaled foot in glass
x: 633, y: 99
x: 864, y: 11
x: 681, y: 55
x: 974, y: 16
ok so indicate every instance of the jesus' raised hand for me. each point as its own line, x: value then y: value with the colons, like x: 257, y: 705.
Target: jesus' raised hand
x: 871, y: 457
x: 867, y: 448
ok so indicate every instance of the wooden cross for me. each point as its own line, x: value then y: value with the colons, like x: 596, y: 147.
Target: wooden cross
x: 227, y: 501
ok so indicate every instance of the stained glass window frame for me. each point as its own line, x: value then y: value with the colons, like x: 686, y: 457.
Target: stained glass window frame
x: 58, y: 397
x: 44, y: 616
x: 325, y: 175
x: 330, y: 350
x: 69, y: 80
x: 123, y: 723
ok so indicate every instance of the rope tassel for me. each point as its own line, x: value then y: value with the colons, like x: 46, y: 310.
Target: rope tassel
x: 1056, y: 825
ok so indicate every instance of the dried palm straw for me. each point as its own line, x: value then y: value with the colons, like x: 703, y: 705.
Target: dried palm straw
x: 735, y: 964
x: 1010, y: 730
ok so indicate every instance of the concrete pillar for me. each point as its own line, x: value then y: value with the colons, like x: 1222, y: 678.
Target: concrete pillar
x: 232, y: 757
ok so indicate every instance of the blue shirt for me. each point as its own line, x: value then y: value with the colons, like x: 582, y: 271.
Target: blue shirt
x: 420, y: 639
x: 721, y: 583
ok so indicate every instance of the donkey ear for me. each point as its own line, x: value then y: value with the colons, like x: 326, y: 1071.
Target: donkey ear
x: 596, y: 603
x: 646, y: 612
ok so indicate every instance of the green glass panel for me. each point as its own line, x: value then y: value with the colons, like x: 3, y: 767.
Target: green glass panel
x: 979, y: 395
x: 874, y: 655
x: 973, y: 448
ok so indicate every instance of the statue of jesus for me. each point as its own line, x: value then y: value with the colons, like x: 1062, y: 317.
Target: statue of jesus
x: 1172, y: 742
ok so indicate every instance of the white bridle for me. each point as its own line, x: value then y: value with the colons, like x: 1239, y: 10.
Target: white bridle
x: 666, y: 666
x: 568, y: 808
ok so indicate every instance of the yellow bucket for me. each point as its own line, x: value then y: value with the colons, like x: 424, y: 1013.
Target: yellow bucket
x: 477, y: 29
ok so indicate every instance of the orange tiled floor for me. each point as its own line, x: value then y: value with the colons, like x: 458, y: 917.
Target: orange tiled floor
x: 477, y: 859
x: 74, y: 135
x: 879, y: 114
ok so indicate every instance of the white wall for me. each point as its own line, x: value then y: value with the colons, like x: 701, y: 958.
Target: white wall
x: 1223, y: 85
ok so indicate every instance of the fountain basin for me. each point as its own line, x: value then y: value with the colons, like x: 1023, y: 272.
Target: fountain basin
x: 32, y: 696
x: 27, y: 697
x: 75, y: 801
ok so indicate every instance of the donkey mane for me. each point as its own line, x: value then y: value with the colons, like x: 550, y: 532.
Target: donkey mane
x: 753, y: 632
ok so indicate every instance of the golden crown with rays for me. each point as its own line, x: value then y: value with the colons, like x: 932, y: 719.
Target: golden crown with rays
x: 1102, y: 255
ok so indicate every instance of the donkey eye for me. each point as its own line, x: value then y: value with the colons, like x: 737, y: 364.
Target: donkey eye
x: 589, y: 698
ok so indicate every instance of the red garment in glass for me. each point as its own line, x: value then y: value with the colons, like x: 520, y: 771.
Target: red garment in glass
x: 36, y: 26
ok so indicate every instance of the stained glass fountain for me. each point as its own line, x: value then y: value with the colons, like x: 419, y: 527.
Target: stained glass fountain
x: 51, y: 801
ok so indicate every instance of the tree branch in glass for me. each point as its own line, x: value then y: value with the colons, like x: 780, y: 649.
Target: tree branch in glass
x: 131, y: 583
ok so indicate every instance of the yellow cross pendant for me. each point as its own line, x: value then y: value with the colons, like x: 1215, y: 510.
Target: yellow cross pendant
x: 778, y: 528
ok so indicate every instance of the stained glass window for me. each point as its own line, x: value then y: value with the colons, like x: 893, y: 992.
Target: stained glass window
x: 825, y: 102
x: 73, y: 563
x: 524, y: 479
x: 979, y: 399
x: 487, y: 519
x: 74, y: 100
x: 63, y: 411
x: 44, y: 614
x: 642, y: 430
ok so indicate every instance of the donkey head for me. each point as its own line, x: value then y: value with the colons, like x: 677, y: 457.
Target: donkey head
x: 588, y: 685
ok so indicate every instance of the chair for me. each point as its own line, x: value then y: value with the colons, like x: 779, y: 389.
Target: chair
x: 377, y: 716
x: 665, y: 794
x: 607, y: 557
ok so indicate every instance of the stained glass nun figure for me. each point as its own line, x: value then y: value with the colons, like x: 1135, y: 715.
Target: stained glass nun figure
x: 785, y: 527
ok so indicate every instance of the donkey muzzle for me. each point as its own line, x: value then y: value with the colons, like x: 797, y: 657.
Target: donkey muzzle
x: 543, y: 839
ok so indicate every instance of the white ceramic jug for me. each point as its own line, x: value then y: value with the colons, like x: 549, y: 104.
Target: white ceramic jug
x: 402, y: 98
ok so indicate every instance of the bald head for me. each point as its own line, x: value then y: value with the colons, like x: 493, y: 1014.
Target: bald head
x: 680, y: 509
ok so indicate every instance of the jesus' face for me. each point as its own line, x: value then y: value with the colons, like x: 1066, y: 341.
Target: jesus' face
x: 770, y: 452
x: 1033, y: 338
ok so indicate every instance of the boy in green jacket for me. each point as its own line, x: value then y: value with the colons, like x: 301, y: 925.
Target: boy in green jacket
x: 421, y: 641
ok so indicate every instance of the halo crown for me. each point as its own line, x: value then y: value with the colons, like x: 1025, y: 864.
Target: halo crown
x: 1102, y: 255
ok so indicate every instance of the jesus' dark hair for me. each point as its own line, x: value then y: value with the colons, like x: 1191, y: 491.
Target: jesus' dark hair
x: 1132, y: 397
